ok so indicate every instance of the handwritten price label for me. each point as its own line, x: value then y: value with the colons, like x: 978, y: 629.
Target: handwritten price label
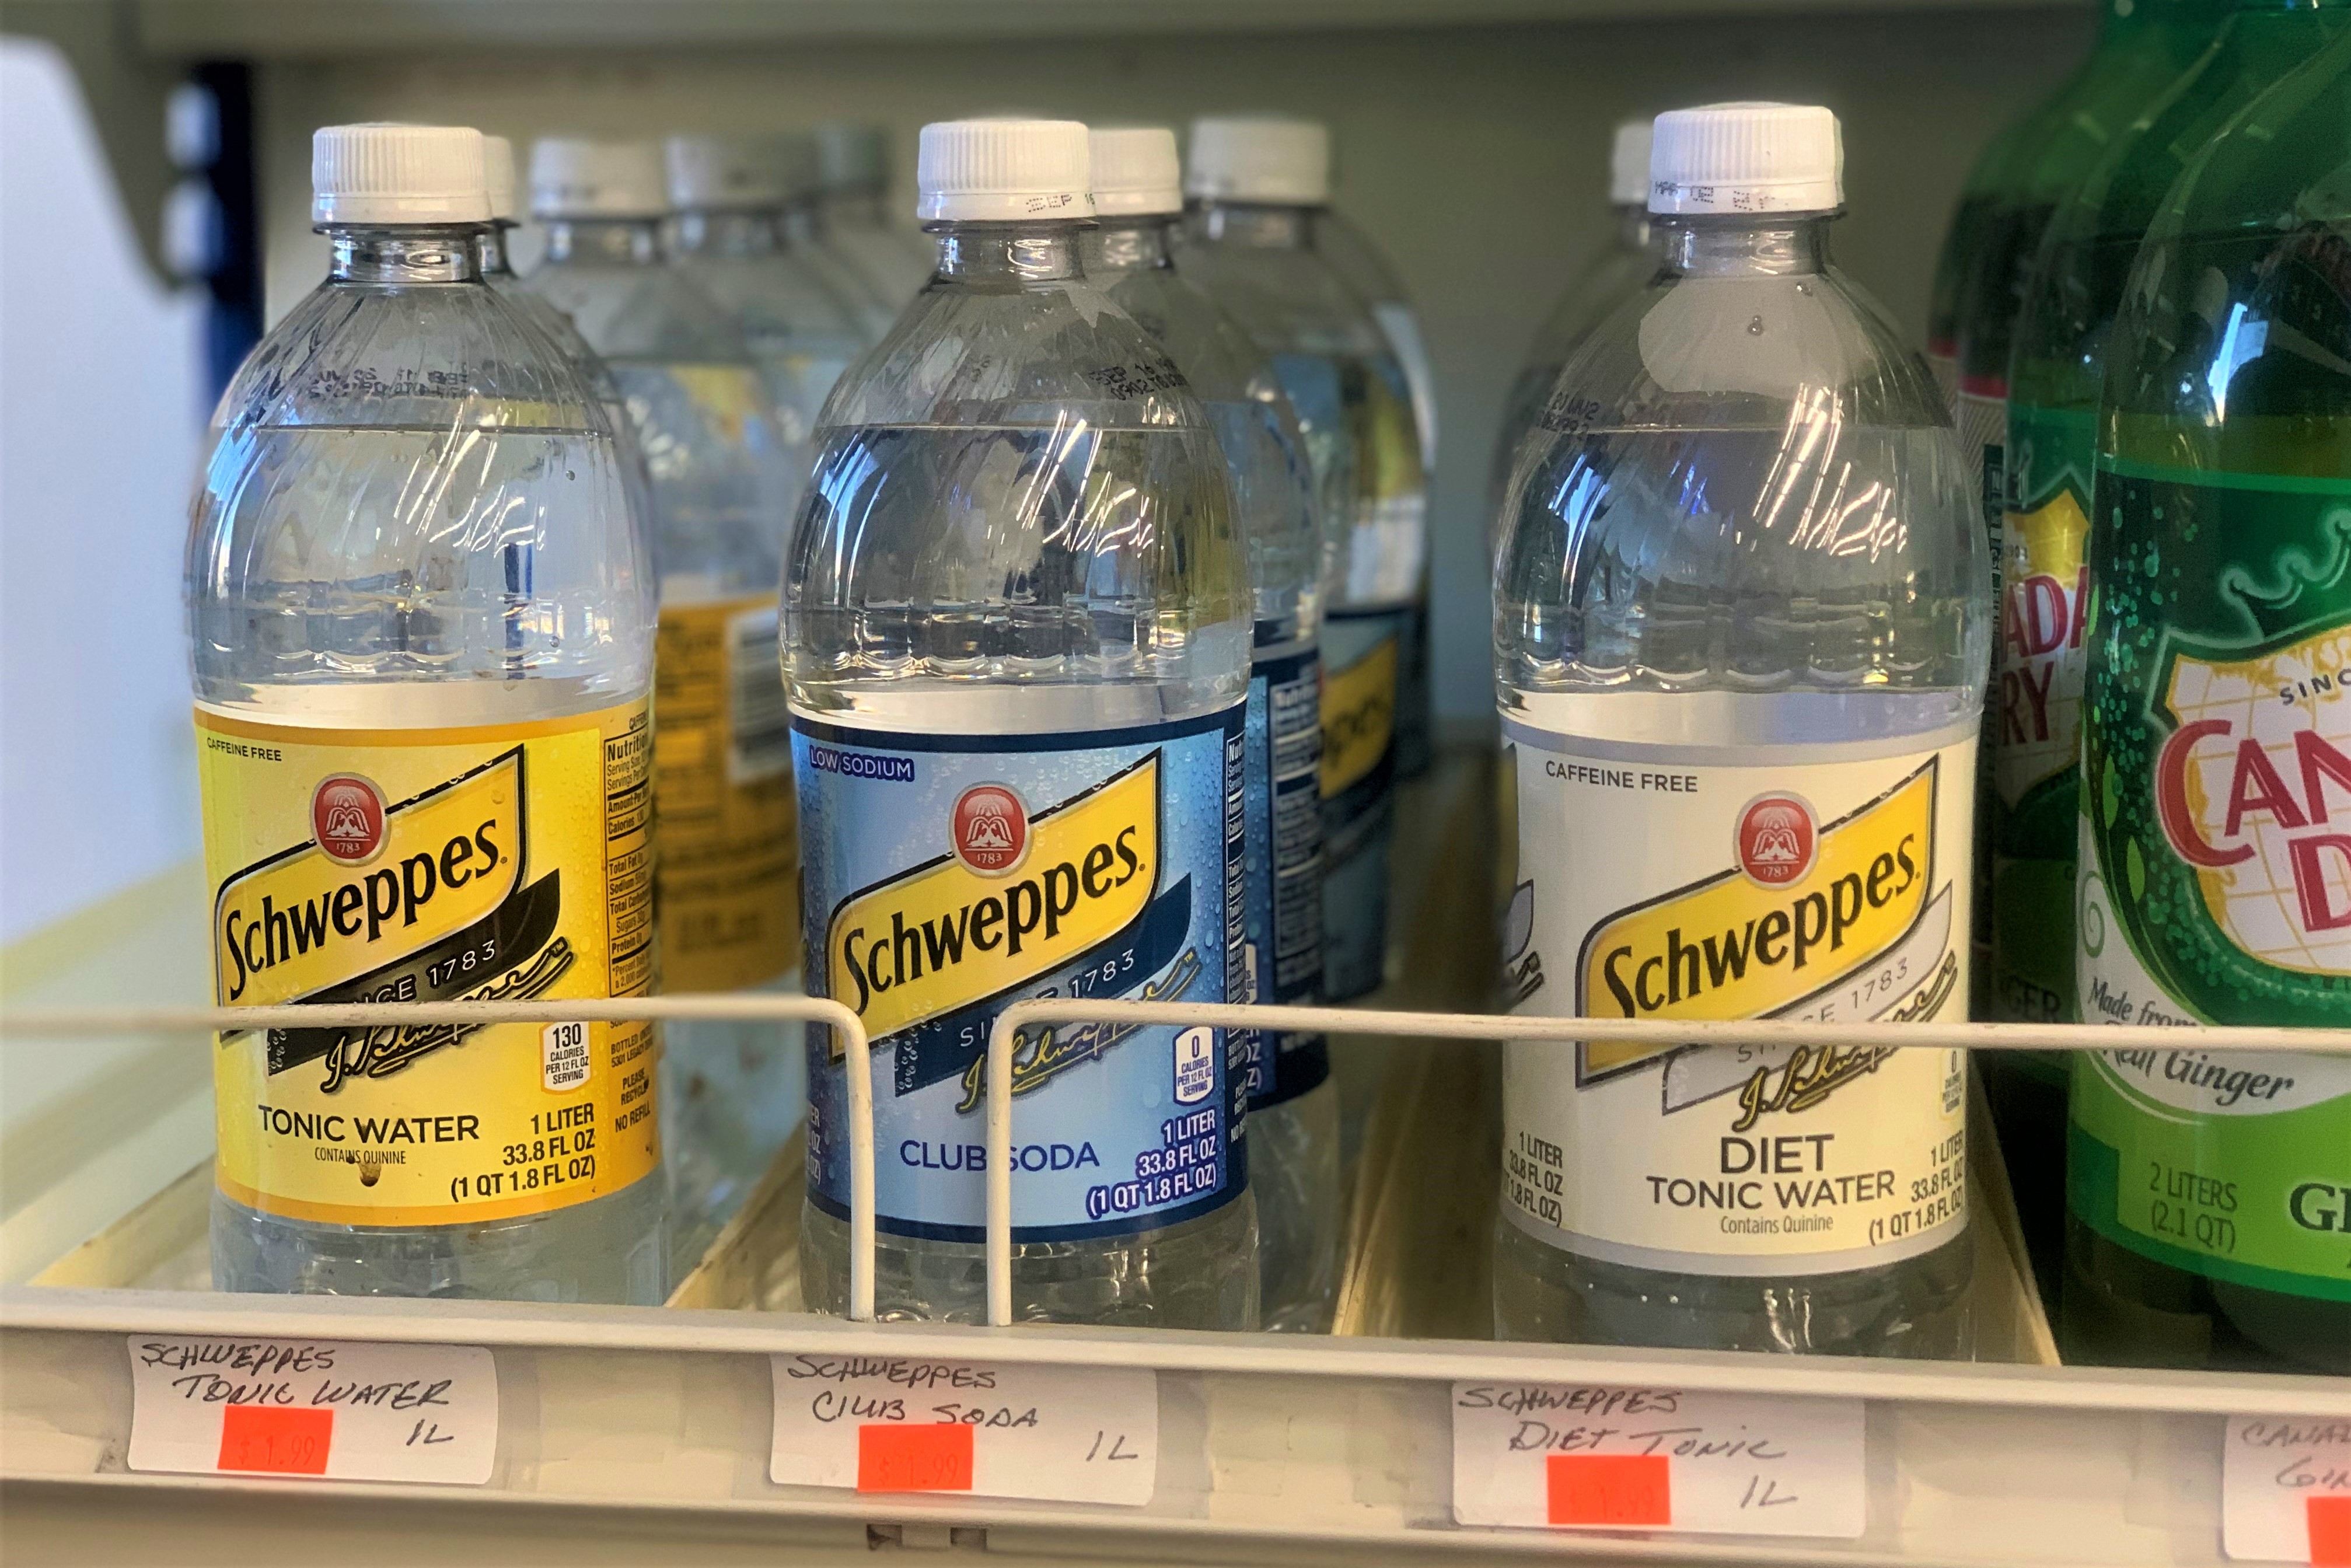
x: 1591, y: 1457
x: 981, y: 1429
x: 2285, y: 1490
x: 330, y: 1408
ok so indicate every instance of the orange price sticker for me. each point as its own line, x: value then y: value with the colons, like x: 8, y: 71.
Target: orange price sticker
x: 274, y: 1441
x: 1619, y: 1490
x: 2330, y: 1531
x: 933, y: 1456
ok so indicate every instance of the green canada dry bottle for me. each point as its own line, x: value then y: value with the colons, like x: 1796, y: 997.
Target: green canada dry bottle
x: 2210, y: 1194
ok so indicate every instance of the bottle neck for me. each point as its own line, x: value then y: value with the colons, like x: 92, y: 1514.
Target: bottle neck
x: 728, y: 234
x: 1256, y: 224
x: 492, y: 250
x: 1129, y: 243
x: 1008, y: 254
x: 448, y: 253
x: 1634, y: 229
x: 617, y: 241
x: 1713, y: 246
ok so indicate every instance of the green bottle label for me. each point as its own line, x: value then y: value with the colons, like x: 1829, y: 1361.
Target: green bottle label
x: 2036, y: 707
x: 2215, y: 887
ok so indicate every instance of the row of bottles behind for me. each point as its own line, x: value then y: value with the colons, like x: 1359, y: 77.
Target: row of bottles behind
x: 482, y: 579
x: 2141, y: 318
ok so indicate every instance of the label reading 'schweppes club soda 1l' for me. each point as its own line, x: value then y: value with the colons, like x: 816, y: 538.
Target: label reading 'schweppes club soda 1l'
x: 948, y: 876
x: 507, y: 863
x: 1682, y: 882
x: 2216, y: 875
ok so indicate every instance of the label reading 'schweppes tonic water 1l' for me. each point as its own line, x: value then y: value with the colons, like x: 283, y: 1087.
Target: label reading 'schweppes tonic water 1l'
x: 2037, y: 708
x: 950, y: 876
x: 2216, y: 876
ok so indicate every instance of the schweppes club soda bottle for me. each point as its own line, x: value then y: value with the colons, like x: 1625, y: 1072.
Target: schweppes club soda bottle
x: 1018, y: 642
x: 1741, y: 648
x: 721, y: 482
x: 1293, y: 1102
x: 2211, y: 1193
x: 1260, y: 188
x: 422, y: 625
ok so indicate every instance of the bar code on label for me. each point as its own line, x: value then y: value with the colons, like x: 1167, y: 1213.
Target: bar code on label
x: 760, y: 745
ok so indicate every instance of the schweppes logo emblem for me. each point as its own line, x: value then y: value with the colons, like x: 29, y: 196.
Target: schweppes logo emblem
x: 1358, y: 718
x: 421, y: 901
x: 1803, y: 908
x: 1019, y: 895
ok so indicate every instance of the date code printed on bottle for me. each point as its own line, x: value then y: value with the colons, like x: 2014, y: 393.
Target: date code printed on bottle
x: 1671, y: 1460
x: 908, y: 1424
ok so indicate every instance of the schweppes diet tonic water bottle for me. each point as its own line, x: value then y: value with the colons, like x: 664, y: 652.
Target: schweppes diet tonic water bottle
x: 1293, y: 1102
x: 2210, y: 1194
x: 1741, y: 643
x: 1016, y: 639
x: 422, y: 625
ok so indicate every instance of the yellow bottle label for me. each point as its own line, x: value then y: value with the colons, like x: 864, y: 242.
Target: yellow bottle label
x: 511, y: 863
x: 729, y: 841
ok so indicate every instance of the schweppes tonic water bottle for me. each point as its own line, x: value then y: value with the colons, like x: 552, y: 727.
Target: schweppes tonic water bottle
x: 1260, y: 188
x: 423, y: 619
x: 721, y: 480
x: 1017, y: 644
x: 1293, y: 1103
x: 2210, y: 1194
x: 1740, y: 649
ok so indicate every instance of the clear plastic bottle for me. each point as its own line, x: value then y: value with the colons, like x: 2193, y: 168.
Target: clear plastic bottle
x: 1293, y: 1102
x: 1625, y: 263
x: 1257, y: 189
x: 1740, y: 643
x: 728, y: 238
x: 1018, y: 642
x: 872, y: 303
x: 716, y: 477
x: 421, y: 619
x: 2207, y: 1196
x: 850, y: 218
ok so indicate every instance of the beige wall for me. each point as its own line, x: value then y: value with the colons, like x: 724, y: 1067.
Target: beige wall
x: 1474, y: 155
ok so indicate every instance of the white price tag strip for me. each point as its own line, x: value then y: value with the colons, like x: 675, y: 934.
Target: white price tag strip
x: 1589, y: 1457
x: 330, y: 1408
x: 886, y: 1424
x: 2285, y: 1490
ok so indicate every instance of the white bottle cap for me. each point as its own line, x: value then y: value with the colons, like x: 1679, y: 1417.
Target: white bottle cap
x: 721, y: 173
x: 1628, y: 164
x: 852, y: 157
x: 1746, y: 158
x: 794, y: 157
x: 573, y: 177
x: 397, y: 174
x: 1004, y: 170
x: 1136, y: 171
x: 498, y: 174
x: 1281, y: 162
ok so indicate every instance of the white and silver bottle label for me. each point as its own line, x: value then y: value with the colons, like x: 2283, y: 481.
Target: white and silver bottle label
x: 1815, y: 883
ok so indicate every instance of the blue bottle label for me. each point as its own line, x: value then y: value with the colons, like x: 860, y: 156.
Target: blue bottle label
x: 946, y: 876
x: 1282, y: 957
x: 1363, y: 657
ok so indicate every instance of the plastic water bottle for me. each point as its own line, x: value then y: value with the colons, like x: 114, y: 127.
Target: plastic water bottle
x: 872, y: 304
x: 850, y: 219
x: 1625, y: 265
x: 423, y: 626
x: 1018, y: 641
x: 717, y: 476
x: 1741, y: 643
x: 2216, y: 759
x: 1293, y: 1103
x: 1260, y: 188
x: 729, y: 239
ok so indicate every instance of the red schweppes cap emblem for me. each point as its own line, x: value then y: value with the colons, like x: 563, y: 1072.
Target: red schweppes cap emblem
x: 1777, y: 839
x: 990, y: 829
x: 346, y: 818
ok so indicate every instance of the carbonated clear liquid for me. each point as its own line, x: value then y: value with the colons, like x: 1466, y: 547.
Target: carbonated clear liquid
x: 935, y: 644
